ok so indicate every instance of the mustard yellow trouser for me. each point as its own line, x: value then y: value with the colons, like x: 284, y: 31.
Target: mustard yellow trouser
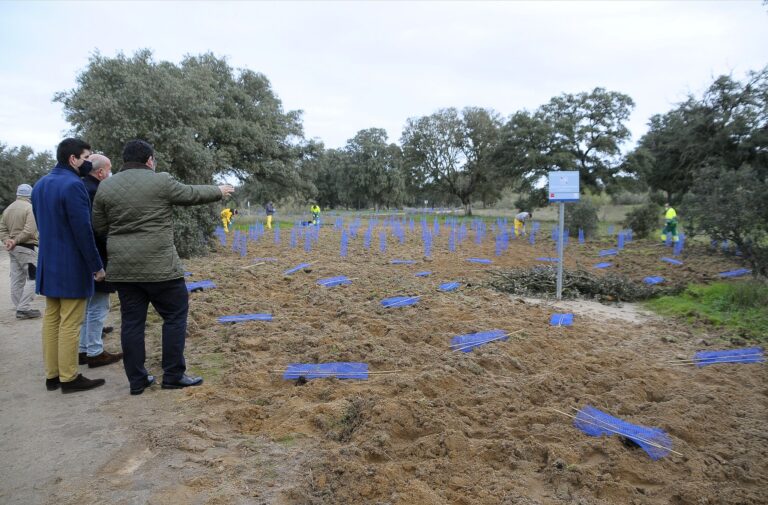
x: 518, y: 228
x: 61, y: 336
x: 269, y: 222
x: 225, y: 223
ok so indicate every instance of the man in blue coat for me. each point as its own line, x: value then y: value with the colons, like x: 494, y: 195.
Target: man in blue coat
x: 67, y: 265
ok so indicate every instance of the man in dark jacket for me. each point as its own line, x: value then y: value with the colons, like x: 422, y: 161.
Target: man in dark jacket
x: 91, y: 344
x: 67, y: 264
x: 132, y: 208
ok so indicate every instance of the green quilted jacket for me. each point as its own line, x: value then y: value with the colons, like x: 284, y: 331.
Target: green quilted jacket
x: 133, y: 210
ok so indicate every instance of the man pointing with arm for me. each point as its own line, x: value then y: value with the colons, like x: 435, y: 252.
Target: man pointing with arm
x: 131, y: 209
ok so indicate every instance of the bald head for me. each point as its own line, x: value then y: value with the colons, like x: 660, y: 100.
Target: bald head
x: 102, y: 166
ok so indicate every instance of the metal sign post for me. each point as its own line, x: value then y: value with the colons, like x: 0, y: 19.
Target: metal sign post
x: 563, y: 187
x: 560, y: 252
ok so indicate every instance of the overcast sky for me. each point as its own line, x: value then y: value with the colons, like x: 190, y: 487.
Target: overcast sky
x: 355, y: 65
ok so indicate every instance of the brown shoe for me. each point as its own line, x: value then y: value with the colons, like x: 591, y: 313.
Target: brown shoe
x: 82, y: 358
x: 104, y: 358
x: 80, y: 384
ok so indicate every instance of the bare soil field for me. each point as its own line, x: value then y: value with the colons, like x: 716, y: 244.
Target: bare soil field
x: 446, y: 427
x: 452, y: 427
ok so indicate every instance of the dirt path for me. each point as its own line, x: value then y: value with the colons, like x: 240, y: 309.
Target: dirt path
x: 48, y: 439
x: 105, y: 446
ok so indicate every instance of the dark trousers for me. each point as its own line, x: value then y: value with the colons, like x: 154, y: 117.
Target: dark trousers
x: 171, y: 300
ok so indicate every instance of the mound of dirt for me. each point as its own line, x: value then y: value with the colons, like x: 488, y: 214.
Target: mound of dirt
x: 542, y: 281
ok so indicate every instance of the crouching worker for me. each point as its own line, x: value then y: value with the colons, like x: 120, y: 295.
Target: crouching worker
x: 226, y: 218
x: 143, y: 263
x: 520, y: 221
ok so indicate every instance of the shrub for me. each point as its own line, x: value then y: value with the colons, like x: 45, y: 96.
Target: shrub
x: 582, y: 214
x: 643, y: 220
x: 192, y: 229
x: 627, y: 198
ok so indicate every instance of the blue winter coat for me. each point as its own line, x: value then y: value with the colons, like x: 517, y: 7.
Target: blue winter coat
x: 67, y: 257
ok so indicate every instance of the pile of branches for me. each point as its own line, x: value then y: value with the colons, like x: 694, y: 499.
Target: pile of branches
x: 542, y: 281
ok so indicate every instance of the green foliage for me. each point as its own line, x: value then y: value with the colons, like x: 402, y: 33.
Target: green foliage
x: 581, y: 214
x: 644, y: 221
x: 711, y: 154
x: 533, y: 199
x: 373, y: 170
x: 452, y: 152
x: 203, y: 118
x: 581, y: 132
x: 732, y: 205
x: 20, y: 165
x: 628, y: 198
x: 738, y: 306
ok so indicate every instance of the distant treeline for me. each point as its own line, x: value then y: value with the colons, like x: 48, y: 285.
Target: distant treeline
x: 708, y: 155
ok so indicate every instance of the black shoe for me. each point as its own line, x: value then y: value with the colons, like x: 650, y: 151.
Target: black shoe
x: 52, y: 384
x: 82, y: 358
x: 147, y: 382
x: 107, y: 329
x: 28, y: 314
x: 81, y: 384
x: 184, y: 382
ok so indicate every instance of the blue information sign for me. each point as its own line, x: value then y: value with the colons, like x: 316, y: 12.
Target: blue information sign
x: 564, y: 186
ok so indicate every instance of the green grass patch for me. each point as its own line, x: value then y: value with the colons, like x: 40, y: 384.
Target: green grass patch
x: 740, y: 306
x: 210, y: 365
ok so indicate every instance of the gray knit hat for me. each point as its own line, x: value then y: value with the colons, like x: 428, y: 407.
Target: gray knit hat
x: 24, y: 190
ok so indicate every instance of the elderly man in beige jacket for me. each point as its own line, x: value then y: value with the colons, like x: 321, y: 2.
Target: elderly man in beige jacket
x: 18, y: 232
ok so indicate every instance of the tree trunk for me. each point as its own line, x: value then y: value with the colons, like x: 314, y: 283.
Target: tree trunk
x: 467, y: 209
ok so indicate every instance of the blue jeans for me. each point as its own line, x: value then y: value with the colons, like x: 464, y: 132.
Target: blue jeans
x: 90, y: 332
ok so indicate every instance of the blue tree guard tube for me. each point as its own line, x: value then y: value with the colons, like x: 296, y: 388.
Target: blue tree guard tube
x: 334, y: 281
x: 465, y: 343
x: 449, y: 286
x: 593, y: 422
x: 581, y: 236
x: 399, y: 301
x: 200, y: 285
x: 239, y: 318
x: 561, y: 320
x: 296, y: 268
x: 343, y: 246
x: 339, y: 370
x: 382, y: 241
x: 367, y: 239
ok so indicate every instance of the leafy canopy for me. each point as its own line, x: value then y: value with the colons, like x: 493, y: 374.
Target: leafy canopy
x: 203, y: 118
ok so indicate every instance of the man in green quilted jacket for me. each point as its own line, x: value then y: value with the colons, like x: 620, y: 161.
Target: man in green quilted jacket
x: 131, y: 209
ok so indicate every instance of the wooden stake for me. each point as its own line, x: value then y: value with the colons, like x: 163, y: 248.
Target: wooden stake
x: 254, y: 265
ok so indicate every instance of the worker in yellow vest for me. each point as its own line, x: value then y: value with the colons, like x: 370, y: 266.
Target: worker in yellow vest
x: 670, y: 224
x: 315, y: 210
x: 226, y: 218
